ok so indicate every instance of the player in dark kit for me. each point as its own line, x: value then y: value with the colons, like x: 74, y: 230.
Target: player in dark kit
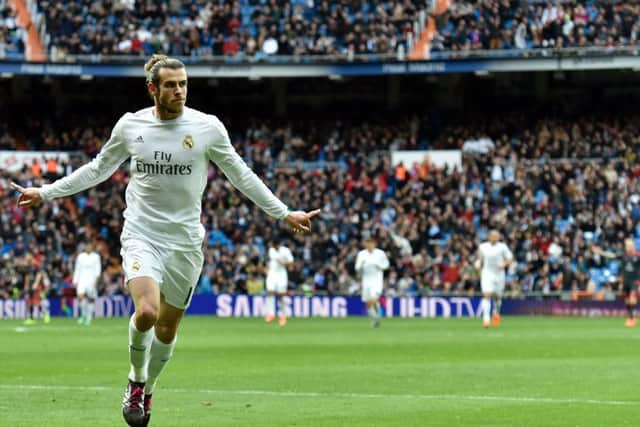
x: 630, y: 275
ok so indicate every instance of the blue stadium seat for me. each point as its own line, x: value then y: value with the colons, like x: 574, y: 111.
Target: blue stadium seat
x: 614, y: 267
x: 8, y: 247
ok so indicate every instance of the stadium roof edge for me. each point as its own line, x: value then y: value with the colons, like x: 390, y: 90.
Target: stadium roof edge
x: 553, y: 63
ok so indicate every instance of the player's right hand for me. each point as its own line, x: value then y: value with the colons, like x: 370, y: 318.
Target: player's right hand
x: 28, y: 196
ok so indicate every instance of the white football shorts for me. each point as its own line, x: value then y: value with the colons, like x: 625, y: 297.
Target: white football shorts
x: 87, y: 289
x: 492, y: 283
x: 371, y: 292
x: 176, y: 272
x: 277, y: 283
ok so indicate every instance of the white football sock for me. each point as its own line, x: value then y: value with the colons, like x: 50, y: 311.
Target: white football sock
x: 90, y: 308
x: 497, y: 304
x: 372, y: 312
x: 486, y: 309
x: 83, y: 308
x: 281, y: 311
x: 271, y: 305
x: 139, y: 344
x: 160, y: 354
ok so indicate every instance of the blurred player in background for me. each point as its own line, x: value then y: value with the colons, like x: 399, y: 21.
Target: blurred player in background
x: 370, y: 264
x: 630, y: 275
x: 493, y: 257
x: 277, y: 280
x: 36, y: 296
x: 85, y: 279
x: 170, y: 147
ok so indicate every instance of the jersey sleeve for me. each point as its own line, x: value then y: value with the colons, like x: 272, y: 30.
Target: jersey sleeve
x: 97, y: 267
x: 76, y: 270
x: 221, y: 152
x: 507, y: 252
x: 112, y: 155
x: 359, y: 262
x: 288, y: 256
x: 383, y: 261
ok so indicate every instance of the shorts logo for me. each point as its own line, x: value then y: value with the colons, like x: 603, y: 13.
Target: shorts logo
x: 187, y: 142
x: 135, y: 267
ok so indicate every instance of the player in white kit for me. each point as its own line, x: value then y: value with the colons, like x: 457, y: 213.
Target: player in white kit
x: 170, y: 147
x: 277, y: 281
x: 370, y: 264
x: 493, y: 257
x: 86, y: 274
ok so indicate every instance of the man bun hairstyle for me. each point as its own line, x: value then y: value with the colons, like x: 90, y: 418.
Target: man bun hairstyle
x: 156, y: 63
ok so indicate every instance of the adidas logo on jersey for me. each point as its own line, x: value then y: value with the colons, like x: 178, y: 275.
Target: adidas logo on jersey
x: 138, y: 140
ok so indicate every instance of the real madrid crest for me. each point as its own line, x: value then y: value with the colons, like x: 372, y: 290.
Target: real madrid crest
x: 135, y: 266
x: 187, y: 142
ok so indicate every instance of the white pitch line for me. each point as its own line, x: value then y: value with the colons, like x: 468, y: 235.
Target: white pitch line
x: 338, y: 394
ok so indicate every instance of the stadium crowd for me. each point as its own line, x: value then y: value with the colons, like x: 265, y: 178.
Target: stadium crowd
x: 246, y: 27
x: 493, y: 24
x: 337, y: 28
x: 429, y: 219
x: 333, y: 140
x: 11, y: 35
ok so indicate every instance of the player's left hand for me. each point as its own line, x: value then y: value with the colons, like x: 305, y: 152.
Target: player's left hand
x: 300, y: 221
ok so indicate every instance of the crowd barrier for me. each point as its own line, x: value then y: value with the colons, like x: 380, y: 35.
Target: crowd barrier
x: 226, y: 305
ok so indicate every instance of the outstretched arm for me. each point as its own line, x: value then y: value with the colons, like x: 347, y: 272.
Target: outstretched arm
x: 606, y: 254
x: 98, y: 170
x: 222, y: 153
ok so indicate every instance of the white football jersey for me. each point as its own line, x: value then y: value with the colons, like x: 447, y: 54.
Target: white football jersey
x: 87, y: 269
x: 169, y: 162
x: 371, y: 266
x: 492, y: 256
x: 276, y: 258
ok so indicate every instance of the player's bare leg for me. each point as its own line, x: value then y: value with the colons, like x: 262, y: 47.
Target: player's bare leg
x: 30, y: 320
x: 631, y: 302
x: 164, y: 341
x: 374, y: 312
x: 271, y: 307
x: 485, y: 304
x: 282, y: 314
x: 44, y: 309
x: 145, y: 293
x: 497, y: 304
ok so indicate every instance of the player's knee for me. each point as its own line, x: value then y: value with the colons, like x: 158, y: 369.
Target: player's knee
x: 147, y: 314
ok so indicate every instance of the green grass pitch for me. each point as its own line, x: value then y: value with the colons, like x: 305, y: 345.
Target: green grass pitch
x: 332, y: 372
